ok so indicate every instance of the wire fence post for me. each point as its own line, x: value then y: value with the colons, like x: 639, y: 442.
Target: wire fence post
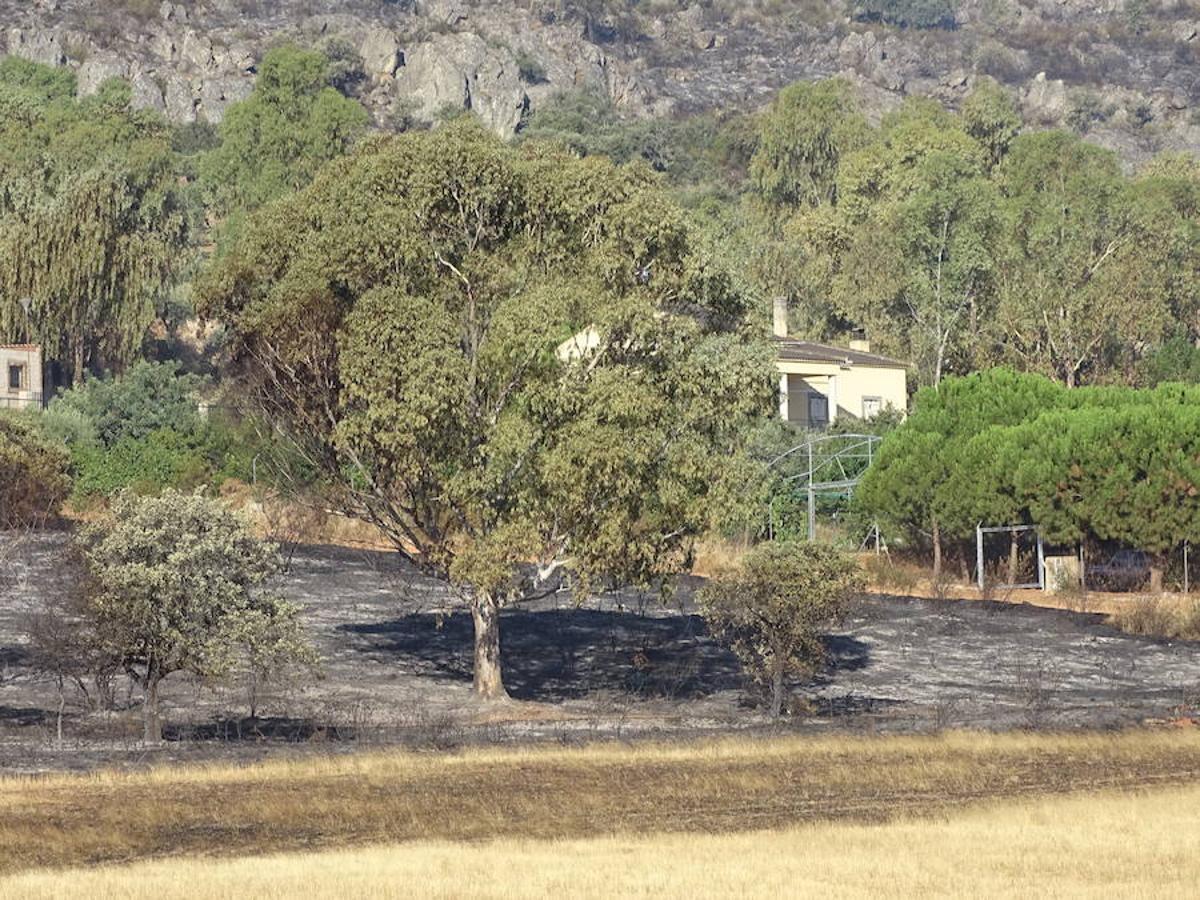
x: 812, y: 499
x: 979, y: 554
x: 1041, y: 563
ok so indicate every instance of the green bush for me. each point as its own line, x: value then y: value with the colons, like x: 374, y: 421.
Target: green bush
x: 771, y: 609
x: 149, y: 397
x: 33, y: 475
x: 910, y: 13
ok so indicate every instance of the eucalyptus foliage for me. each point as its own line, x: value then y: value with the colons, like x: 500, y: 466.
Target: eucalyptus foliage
x: 409, y: 321
x: 276, y: 140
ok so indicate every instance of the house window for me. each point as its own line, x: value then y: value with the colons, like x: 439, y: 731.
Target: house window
x: 872, y: 406
x: 16, y: 378
x: 818, y: 410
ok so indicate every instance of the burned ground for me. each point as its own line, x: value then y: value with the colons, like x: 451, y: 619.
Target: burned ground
x: 396, y: 651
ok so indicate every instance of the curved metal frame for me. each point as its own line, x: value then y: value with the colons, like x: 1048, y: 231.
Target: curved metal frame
x: 853, y: 447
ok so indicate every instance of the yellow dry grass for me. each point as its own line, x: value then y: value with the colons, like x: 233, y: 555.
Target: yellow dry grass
x: 325, y: 802
x: 1127, y: 844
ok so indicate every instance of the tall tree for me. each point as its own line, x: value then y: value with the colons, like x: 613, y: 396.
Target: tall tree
x: 1077, y: 285
x: 802, y: 138
x: 917, y: 270
x: 276, y: 140
x: 410, y: 318
x: 92, y: 221
x: 990, y: 116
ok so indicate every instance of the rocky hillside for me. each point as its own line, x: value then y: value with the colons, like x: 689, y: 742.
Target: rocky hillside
x: 1125, y: 71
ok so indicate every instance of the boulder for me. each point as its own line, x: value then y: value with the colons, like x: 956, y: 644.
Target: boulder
x: 444, y: 12
x: 217, y: 94
x: 1046, y: 99
x: 380, y: 53
x: 37, y: 45
x: 96, y: 70
x: 197, y: 51
x: 861, y: 51
x: 462, y: 71
x: 172, y: 12
x: 146, y: 93
x: 180, y: 99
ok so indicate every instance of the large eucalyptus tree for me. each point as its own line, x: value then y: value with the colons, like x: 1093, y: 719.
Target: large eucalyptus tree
x: 408, y: 319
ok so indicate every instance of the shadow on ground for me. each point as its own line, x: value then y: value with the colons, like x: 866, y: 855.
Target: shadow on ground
x: 561, y: 654
x: 274, y: 728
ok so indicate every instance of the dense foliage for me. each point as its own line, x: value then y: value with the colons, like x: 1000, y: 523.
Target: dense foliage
x: 92, y: 221
x: 1113, y: 465
x: 408, y: 321
x: 143, y: 430
x: 275, y: 141
x: 34, y: 480
x: 179, y: 584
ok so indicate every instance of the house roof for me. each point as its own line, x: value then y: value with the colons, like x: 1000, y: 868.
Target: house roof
x: 810, y: 351
x: 24, y: 348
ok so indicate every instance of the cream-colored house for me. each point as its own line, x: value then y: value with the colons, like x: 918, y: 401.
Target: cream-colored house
x: 820, y: 383
x: 22, y: 371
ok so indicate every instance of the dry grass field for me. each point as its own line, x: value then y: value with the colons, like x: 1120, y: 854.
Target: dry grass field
x: 1112, y: 844
x: 911, y: 811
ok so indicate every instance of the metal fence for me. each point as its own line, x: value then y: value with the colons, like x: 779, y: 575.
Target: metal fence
x: 33, y: 400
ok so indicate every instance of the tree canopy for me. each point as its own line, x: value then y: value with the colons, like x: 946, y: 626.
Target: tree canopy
x: 275, y: 141
x: 92, y: 217
x: 999, y: 448
x: 180, y: 584
x: 501, y: 356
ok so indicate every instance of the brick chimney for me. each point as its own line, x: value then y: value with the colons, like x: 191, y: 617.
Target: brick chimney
x: 779, y: 317
x: 859, y: 341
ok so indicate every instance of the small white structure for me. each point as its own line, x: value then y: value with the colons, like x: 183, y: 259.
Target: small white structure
x: 820, y: 383
x: 22, y: 370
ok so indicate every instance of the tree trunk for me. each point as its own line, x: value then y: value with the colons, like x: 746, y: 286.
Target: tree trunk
x: 489, y: 681
x: 78, y: 363
x: 151, y: 723
x: 1156, y: 576
x: 1014, y: 557
x: 62, y: 705
x: 777, y: 690
x: 937, y: 553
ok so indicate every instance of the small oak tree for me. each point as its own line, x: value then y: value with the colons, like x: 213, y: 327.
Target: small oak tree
x: 773, y: 607
x: 179, y: 585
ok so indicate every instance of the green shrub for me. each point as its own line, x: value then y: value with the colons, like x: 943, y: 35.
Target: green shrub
x: 149, y: 397
x: 772, y: 608
x: 33, y: 475
x: 161, y: 459
x: 910, y: 13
